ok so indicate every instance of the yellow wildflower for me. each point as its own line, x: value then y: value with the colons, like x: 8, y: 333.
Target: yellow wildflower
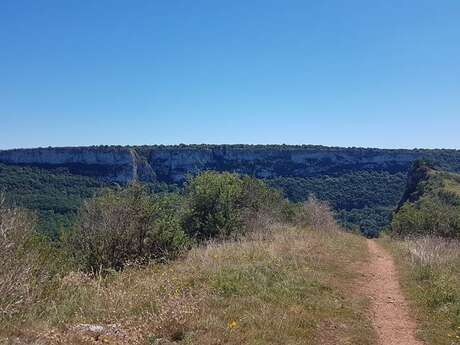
x: 232, y: 324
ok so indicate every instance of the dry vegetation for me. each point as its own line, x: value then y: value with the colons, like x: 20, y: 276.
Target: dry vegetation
x: 430, y: 270
x: 255, y: 270
x: 16, y: 270
x: 282, y: 286
x: 26, y: 268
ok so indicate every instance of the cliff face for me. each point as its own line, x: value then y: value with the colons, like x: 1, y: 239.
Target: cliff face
x: 174, y: 163
x: 418, y: 173
x: 110, y: 164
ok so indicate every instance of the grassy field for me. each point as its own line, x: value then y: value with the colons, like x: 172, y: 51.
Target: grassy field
x: 430, y: 274
x: 285, y: 286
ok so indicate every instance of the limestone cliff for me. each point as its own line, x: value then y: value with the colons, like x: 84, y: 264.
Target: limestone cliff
x: 173, y: 163
x: 113, y: 164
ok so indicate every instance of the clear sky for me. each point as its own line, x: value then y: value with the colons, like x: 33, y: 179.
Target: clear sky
x: 380, y: 73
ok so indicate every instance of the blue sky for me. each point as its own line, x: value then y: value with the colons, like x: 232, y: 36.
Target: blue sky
x: 380, y: 73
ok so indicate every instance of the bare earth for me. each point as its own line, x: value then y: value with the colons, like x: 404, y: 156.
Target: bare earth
x: 389, y: 309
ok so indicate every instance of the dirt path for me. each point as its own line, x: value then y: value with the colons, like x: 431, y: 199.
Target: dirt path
x: 389, y: 309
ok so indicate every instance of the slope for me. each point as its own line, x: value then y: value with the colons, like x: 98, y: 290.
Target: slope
x: 431, y: 203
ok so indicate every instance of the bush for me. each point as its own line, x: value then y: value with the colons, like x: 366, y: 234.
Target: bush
x: 132, y: 225
x: 318, y: 214
x: 430, y: 216
x: 225, y: 205
x: 126, y: 225
x: 262, y: 206
x: 213, y: 205
x: 166, y: 237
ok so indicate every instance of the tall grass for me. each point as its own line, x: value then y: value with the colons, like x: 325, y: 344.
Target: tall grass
x: 432, y: 252
x: 431, y: 276
x: 26, y: 264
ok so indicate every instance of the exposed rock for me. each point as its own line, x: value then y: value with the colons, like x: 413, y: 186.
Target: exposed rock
x: 98, y: 332
x: 113, y: 164
x: 174, y: 163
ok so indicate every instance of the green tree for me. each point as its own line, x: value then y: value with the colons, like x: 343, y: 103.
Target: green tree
x: 213, y: 205
x: 226, y: 204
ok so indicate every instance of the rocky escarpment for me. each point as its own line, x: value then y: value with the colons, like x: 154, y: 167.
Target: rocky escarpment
x: 174, y: 163
x: 112, y: 164
x: 419, y: 172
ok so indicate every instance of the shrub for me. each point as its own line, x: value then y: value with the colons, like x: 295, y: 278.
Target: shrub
x: 213, y: 205
x: 262, y: 206
x: 225, y: 205
x: 126, y: 225
x: 319, y: 215
x: 429, y: 216
x: 166, y: 237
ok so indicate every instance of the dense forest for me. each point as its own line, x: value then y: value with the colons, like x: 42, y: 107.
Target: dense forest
x: 54, y: 193
x: 363, y: 200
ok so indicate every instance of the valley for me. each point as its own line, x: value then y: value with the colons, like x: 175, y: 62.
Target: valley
x: 225, y: 258
x: 363, y: 185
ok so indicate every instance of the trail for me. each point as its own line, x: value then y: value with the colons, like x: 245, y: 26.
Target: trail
x: 389, y: 309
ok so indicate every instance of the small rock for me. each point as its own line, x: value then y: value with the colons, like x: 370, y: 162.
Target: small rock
x: 96, y: 331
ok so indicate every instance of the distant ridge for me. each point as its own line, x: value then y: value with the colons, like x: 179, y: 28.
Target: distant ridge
x: 173, y: 163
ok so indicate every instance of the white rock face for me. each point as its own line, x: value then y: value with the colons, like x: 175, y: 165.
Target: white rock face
x: 123, y: 164
x: 59, y: 156
x: 175, y: 163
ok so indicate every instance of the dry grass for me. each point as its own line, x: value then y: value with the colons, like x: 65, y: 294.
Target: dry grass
x: 285, y: 286
x: 431, y: 278
x: 433, y: 252
x: 23, y: 273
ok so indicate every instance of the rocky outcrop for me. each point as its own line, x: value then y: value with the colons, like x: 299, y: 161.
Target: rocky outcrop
x: 419, y: 172
x: 113, y: 164
x: 174, y: 163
